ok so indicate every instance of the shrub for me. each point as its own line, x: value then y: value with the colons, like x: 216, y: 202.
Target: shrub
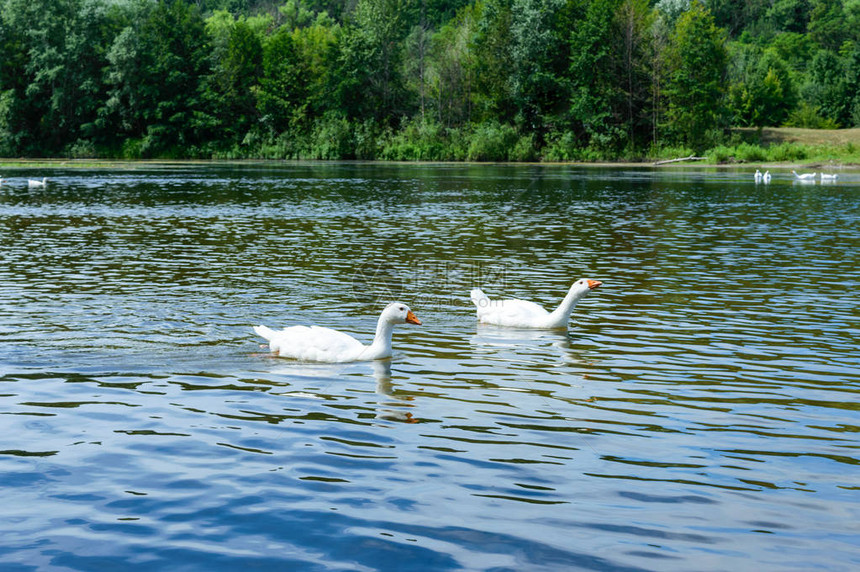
x: 560, y: 147
x: 418, y: 140
x: 81, y: 149
x: 524, y: 149
x: 658, y: 152
x: 491, y: 141
x: 331, y: 138
x: 720, y: 154
x: 787, y: 152
x: 750, y: 153
x: 132, y: 149
x: 809, y: 117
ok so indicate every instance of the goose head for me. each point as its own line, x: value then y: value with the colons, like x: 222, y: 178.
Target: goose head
x: 585, y: 285
x: 399, y: 313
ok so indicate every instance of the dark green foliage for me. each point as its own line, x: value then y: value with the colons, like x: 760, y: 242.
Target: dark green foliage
x: 761, y: 88
x: 282, y: 91
x: 696, y: 83
x: 501, y: 80
x: 231, y: 87
x: 790, y: 16
x: 825, y: 88
x: 595, y: 97
x: 53, y: 52
x: 156, y: 66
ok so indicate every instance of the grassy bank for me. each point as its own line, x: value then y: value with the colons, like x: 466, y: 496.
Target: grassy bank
x: 790, y: 145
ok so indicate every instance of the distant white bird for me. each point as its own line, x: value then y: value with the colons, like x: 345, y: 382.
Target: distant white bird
x: 829, y: 177
x: 757, y: 176
x: 35, y: 183
x: 803, y: 177
x: 766, y: 177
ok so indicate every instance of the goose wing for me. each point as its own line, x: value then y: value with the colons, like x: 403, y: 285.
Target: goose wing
x: 511, y: 313
x: 315, y: 343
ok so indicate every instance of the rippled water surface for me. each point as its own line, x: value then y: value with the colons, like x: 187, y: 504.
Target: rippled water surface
x: 702, y: 412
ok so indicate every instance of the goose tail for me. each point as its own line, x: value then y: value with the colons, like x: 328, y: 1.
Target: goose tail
x: 264, y: 332
x: 478, y: 297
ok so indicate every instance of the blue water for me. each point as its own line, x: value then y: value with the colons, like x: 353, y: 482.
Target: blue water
x: 700, y: 414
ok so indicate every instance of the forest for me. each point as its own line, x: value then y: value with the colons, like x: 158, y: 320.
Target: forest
x: 478, y: 80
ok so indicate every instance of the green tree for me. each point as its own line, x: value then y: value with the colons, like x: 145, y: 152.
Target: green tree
x: 635, y: 21
x: 369, y: 80
x: 295, y: 82
x: 53, y: 55
x: 156, y: 66
x: 451, y: 69
x: 736, y: 16
x: 416, y: 50
x: 318, y: 47
x: 826, y: 87
x: 851, y: 53
x: 493, y: 62
x: 695, y: 89
x: 282, y: 93
x: 761, y: 88
x: 788, y: 16
x: 538, y: 57
x: 828, y: 24
x: 794, y: 48
x: 232, y: 85
x: 596, y: 97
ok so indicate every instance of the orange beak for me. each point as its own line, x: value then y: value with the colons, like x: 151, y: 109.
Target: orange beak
x: 411, y: 319
x: 592, y: 284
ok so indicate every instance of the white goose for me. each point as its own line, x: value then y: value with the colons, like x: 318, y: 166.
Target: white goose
x: 320, y: 344
x: 766, y: 177
x: 36, y: 183
x: 525, y: 314
x: 757, y: 176
x: 829, y: 177
x: 803, y: 177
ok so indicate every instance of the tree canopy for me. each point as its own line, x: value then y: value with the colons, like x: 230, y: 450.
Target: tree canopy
x: 416, y: 79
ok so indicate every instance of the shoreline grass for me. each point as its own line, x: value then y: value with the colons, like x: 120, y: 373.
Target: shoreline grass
x: 771, y: 147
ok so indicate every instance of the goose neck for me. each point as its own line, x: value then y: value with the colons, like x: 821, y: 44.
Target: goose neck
x: 382, y: 339
x: 562, y: 313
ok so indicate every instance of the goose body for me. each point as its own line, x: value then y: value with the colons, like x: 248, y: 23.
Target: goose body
x: 757, y: 176
x: 803, y: 177
x: 829, y: 177
x: 524, y: 314
x: 766, y: 177
x: 319, y: 344
x: 37, y: 183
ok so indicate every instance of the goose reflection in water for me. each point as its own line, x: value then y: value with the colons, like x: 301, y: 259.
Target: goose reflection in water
x: 389, y: 405
x: 803, y: 182
x: 392, y: 407
x: 528, y: 345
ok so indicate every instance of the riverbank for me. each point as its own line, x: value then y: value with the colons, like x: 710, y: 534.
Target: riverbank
x: 769, y: 147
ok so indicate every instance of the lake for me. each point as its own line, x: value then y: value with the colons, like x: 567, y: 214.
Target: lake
x: 701, y: 413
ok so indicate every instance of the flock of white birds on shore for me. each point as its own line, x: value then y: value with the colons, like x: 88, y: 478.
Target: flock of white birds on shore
x: 765, y: 177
